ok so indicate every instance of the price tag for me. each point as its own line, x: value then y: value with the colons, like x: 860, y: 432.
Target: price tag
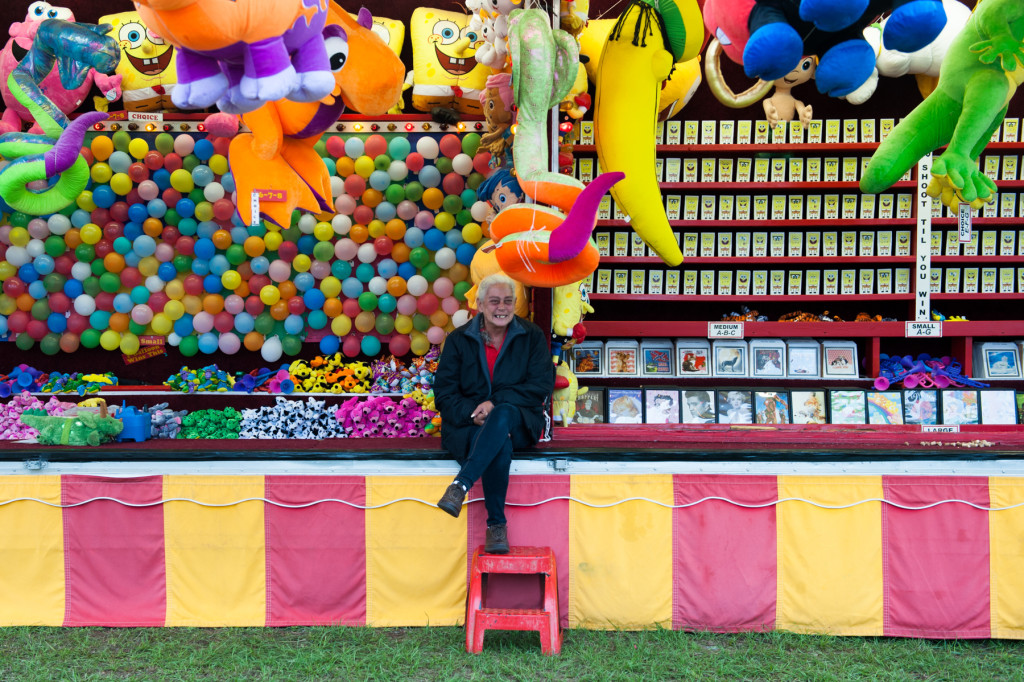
x: 725, y: 330
x: 964, y: 222
x: 932, y: 330
x: 254, y: 207
x: 940, y: 428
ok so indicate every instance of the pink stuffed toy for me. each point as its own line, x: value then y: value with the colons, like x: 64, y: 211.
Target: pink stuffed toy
x: 22, y: 34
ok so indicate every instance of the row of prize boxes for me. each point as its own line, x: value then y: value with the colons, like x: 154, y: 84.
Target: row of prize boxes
x: 817, y: 131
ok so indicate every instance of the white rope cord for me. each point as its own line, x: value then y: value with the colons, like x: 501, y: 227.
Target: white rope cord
x: 515, y: 504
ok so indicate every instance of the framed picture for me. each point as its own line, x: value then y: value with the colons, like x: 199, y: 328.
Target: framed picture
x: 693, y: 361
x: 804, y: 360
x: 590, y: 407
x: 921, y: 406
x: 698, y: 406
x: 1020, y: 408
x: 661, y: 406
x: 960, y: 406
x: 771, y: 407
x: 847, y: 407
x: 840, y: 359
x: 730, y: 359
x: 999, y: 406
x: 588, y: 360
x: 885, y: 407
x: 1001, y: 364
x: 625, y: 406
x: 622, y: 360
x: 768, y: 362
x: 656, y: 356
x: 808, y: 407
x: 735, y: 407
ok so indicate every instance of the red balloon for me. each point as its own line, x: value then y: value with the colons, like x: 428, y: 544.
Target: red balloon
x: 244, y: 269
x: 101, y: 216
x: 138, y: 172
x: 131, y: 277
x: 383, y: 245
x: 193, y: 284
x: 62, y: 264
x: 87, y: 155
x: 257, y: 282
x: 427, y: 304
x: 119, y: 211
x: 223, y: 322
x: 103, y: 247
x: 223, y: 209
x: 414, y: 162
x: 221, y: 145
x: 154, y: 160
x: 37, y: 329
x: 336, y: 146
x: 17, y: 321
x: 133, y: 197
x: 172, y: 162
x: 375, y: 145
x: 253, y: 305
x: 157, y: 301
x: 186, y: 246
x: 105, y: 301
x: 14, y: 287
x: 59, y: 302
x: 296, y: 306
x: 171, y: 196
x: 112, y: 229
x: 362, y: 215
x: 77, y: 323
x: 350, y: 346
x: 355, y: 185
x: 170, y: 235
x: 399, y: 344
x: 69, y: 342
x: 453, y: 183
x: 287, y: 251
x: 451, y: 146
x: 350, y: 308
x: 481, y: 162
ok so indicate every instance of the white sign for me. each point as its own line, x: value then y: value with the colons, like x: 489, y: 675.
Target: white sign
x: 932, y: 330
x: 725, y: 330
x: 964, y: 222
x: 923, y: 266
x: 254, y: 207
x: 940, y: 428
x: 145, y: 117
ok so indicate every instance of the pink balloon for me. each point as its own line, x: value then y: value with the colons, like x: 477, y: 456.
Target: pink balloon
x: 234, y: 304
x: 229, y: 343
x: 183, y: 145
x: 164, y: 252
x: 375, y: 146
x: 414, y: 162
x: 435, y: 335
x: 37, y: 229
x: 443, y: 287
x: 407, y: 210
x: 406, y: 304
x: 202, y: 322
x: 280, y: 270
x: 355, y: 185
x: 142, y: 314
x: 345, y: 249
x: 453, y: 183
x: 399, y: 344
x: 148, y: 190
x: 319, y: 269
x: 424, y: 220
x: 450, y: 305
x: 345, y: 204
x: 451, y: 146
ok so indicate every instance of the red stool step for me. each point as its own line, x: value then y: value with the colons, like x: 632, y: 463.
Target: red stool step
x: 519, y: 560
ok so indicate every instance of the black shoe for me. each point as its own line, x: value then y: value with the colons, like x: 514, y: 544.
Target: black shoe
x: 451, y: 501
x: 497, y: 540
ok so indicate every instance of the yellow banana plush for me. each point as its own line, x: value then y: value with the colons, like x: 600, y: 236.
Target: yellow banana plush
x: 638, y: 55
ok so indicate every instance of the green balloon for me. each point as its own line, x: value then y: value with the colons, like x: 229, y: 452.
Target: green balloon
x: 110, y: 283
x: 460, y: 290
x: 197, y: 196
x: 54, y: 282
x: 182, y: 263
x: 91, y: 286
x: 291, y: 345
x: 41, y: 310
x: 121, y: 139
x: 464, y: 217
x: 470, y: 143
x: 414, y: 191
x: 190, y: 162
x: 452, y: 203
x: 172, y: 217
x: 474, y: 180
x: 321, y: 147
x: 24, y: 342
x: 443, y: 164
x: 431, y: 271
x: 98, y: 268
x: 235, y: 254
x: 323, y: 251
x: 395, y: 193
x: 385, y: 324
x: 54, y: 246
x: 136, y: 328
x: 420, y: 322
x: 381, y: 162
x: 50, y: 344
x: 257, y: 230
x: 293, y: 233
x: 90, y: 338
x: 367, y: 301
x: 264, y: 323
x: 84, y: 253
x: 164, y: 143
x: 419, y: 257
x: 189, y: 345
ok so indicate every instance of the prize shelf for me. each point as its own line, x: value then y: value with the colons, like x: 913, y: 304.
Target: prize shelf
x: 803, y: 222
x: 786, y: 148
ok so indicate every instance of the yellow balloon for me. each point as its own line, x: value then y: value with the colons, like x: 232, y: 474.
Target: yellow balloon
x: 365, y: 321
x: 301, y: 263
x: 7, y: 304
x: 270, y: 294
x: 149, y: 266
x: 231, y: 280
x: 174, y: 289
x: 376, y: 228
x: 193, y: 304
x: 121, y: 184
x: 110, y: 340
x: 444, y: 221
x: 420, y: 344
x: 19, y: 236
x: 341, y: 325
x: 138, y: 148
x: 101, y: 173
x: 162, y: 323
x: 273, y: 240
x: 472, y: 233
x: 204, y: 209
x: 403, y: 323
x: 364, y: 166
x: 7, y: 270
x: 323, y: 232
x: 173, y: 310
x: 330, y: 287
x: 85, y: 201
x: 129, y: 344
x: 218, y: 163
x: 181, y: 180
x: 90, y: 233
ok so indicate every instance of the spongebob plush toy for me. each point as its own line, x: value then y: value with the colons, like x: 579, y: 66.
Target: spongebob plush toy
x: 148, y: 64
x: 445, y: 73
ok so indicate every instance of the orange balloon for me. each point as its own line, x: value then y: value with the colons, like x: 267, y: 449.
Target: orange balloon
x: 287, y: 289
x: 222, y: 239
x: 253, y: 341
x: 193, y: 304
x: 244, y: 269
x: 395, y: 228
x: 458, y: 273
x: 396, y: 286
x: 153, y: 227
x: 359, y: 233
x: 332, y: 307
x: 279, y: 310
x: 346, y: 167
x: 372, y: 197
x: 119, y: 322
x: 113, y: 262
x: 243, y: 289
x: 24, y: 302
x: 213, y: 303
x: 72, y: 238
x: 400, y: 252
x: 253, y: 246
x: 432, y: 198
x: 439, y: 318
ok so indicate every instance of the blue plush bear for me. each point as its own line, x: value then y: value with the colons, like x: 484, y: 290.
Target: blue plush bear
x: 783, y: 31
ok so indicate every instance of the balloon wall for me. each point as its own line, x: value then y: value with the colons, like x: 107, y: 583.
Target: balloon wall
x: 154, y: 247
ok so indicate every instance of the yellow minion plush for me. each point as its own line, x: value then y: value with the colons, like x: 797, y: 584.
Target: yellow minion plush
x: 147, y: 65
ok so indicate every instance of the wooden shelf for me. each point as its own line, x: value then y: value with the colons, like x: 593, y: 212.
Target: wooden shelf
x: 978, y: 220
x: 804, y: 299
x: 755, y: 262
x: 778, y: 186
x: 976, y: 297
x: 699, y: 329
x: 977, y: 259
x: 760, y: 148
x: 819, y: 223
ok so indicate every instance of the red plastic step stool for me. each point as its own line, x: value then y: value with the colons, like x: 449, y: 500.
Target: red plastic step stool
x: 523, y: 561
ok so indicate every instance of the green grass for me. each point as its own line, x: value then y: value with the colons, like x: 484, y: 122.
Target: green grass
x: 398, y: 654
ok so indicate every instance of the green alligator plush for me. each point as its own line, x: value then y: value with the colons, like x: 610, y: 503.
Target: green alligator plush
x: 81, y: 429
x: 978, y: 77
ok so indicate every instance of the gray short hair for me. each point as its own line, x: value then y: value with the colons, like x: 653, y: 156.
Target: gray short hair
x: 497, y: 278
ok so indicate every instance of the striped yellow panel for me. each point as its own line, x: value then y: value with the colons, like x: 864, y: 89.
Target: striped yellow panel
x: 32, y: 551
x: 415, y: 554
x: 216, y: 555
x: 620, y: 557
x: 1006, y: 548
x: 830, y: 560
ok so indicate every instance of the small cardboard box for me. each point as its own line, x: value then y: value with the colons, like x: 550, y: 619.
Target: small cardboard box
x: 970, y: 280
x: 813, y: 206
x: 849, y: 283
x: 708, y: 203
x: 742, y: 244
x: 707, y: 244
x: 988, y: 280
x: 656, y: 282
x: 952, y: 243
x: 796, y: 206
x: 778, y: 172
x: 637, y: 247
x: 813, y: 169
x: 689, y: 166
x: 831, y: 169
x: 1007, y: 204
x: 604, y: 209
x: 689, y: 282
x: 586, y: 132
x: 904, y: 205
x: 674, y: 132
x: 743, y: 167
x: 850, y: 166
x: 867, y: 244
x: 725, y: 170
x: 778, y: 282
x: 725, y: 282
x: 796, y: 281
x: 707, y: 132
x: 902, y: 243
x: 988, y: 243
x: 830, y: 244
x: 795, y: 247
x: 673, y: 206
x: 796, y: 169
x: 707, y: 170
x: 659, y: 169
x: 991, y: 209
x: 691, y: 244
x: 604, y: 281
x: 588, y: 358
x: 691, y: 207
x: 743, y: 282
x: 997, y: 360
x: 885, y: 127
x: 866, y: 284
x: 849, y: 206
x: 883, y: 243
x: 952, y: 284
x: 777, y: 244
x: 707, y: 282
x: 886, y: 204
x: 813, y: 244
x: 761, y: 168
x: 937, y: 243
x: 761, y: 132
x: 586, y: 170
x: 622, y: 357
x: 971, y: 247
x: 656, y: 358
x: 620, y: 282
x: 726, y: 132
x: 693, y: 357
x: 1010, y: 129
x: 831, y: 282
x: 621, y: 245
x: 760, y: 207
x: 796, y: 132
x: 902, y: 280
x: 730, y: 358
x: 779, y: 133
x: 814, y: 131
x: 813, y: 282
x: 743, y: 131
x: 1006, y: 280
x: 726, y: 206
x: 767, y: 357
x: 935, y: 285
x: 778, y: 207
x: 672, y: 283
x: 867, y: 206
x: 760, y: 245
x: 1009, y: 170
x: 867, y: 130
x: 884, y: 281
x: 849, y: 247
x: 850, y: 129
x: 760, y: 283
x: 833, y: 127
x: 603, y: 240
x: 617, y: 212
x: 991, y: 166
x: 1007, y: 242
x: 743, y: 202
x: 659, y: 133
x: 831, y: 206
x: 725, y: 244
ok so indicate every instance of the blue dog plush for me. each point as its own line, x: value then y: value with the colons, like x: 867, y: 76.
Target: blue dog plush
x: 783, y: 31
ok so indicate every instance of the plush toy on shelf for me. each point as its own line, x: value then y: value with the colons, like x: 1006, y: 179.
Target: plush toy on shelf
x: 567, y: 389
x: 84, y: 427
x: 148, y: 67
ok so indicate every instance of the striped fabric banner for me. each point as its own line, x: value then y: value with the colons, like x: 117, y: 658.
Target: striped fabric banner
x: 916, y: 556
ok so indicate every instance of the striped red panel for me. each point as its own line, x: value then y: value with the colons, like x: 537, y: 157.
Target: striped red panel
x: 114, y: 553
x: 724, y: 555
x: 544, y: 525
x: 316, y: 556
x: 936, y: 560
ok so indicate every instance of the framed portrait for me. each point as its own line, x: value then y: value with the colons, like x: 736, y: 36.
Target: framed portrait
x: 960, y: 406
x: 693, y: 361
x: 847, y: 407
x: 661, y: 406
x: 808, y: 407
x: 998, y: 406
x: 625, y: 406
x: 588, y: 358
x: 804, y: 359
x: 920, y: 406
x: 1000, y: 363
x: 730, y: 358
x: 698, y: 406
x: 590, y: 407
x: 771, y: 407
x: 735, y: 407
x: 885, y: 407
x: 839, y: 359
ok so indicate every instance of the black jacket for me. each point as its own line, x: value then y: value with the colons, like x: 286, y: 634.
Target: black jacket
x: 524, y: 376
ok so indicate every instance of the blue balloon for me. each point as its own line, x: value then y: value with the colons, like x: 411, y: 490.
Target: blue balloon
x: 144, y: 245
x: 354, y: 147
x: 341, y: 269
x: 103, y: 196
x: 244, y: 322
x: 183, y: 325
x: 37, y: 290
x: 433, y: 239
x: 379, y: 180
x: 304, y: 281
x: 132, y: 230
x: 386, y: 303
x: 293, y: 324
x: 317, y: 319
x: 306, y: 243
x: 464, y: 253
x: 413, y: 237
x: 219, y: 265
x: 43, y: 263
x: 329, y: 345
x: 208, y: 343
x: 385, y: 211
x: 314, y: 299
x: 56, y: 323
x: 205, y: 248
x: 122, y: 245
x: 137, y: 213
x: 239, y: 234
x: 406, y: 270
x: 73, y: 288
x: 453, y: 238
x: 3, y: 325
x: 227, y: 181
x: 188, y: 226
x: 139, y: 295
x: 203, y: 149
x: 162, y: 178
x: 123, y: 303
x: 185, y: 207
x: 119, y: 162
x: 351, y: 287
x: 202, y: 175
x: 387, y: 268
x: 156, y: 208
x: 132, y: 259
x: 206, y: 229
x: 212, y: 284
x: 365, y: 272
x: 260, y: 265
x: 166, y: 272
x: 27, y: 273
x: 99, y: 319
x: 200, y: 267
x: 80, y: 218
x: 429, y: 176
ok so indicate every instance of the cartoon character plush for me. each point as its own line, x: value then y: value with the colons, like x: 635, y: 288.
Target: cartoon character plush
x: 498, y: 105
x: 66, y: 99
x: 569, y: 305
x: 148, y: 66
x: 392, y: 32
x: 782, y: 32
x: 445, y: 74
x: 978, y: 78
x: 567, y: 389
x: 241, y: 55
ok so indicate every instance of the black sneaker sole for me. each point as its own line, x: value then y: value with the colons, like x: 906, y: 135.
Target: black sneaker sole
x: 449, y: 509
x: 502, y: 549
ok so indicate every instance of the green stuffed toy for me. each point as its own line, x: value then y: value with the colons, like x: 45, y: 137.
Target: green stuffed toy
x: 978, y: 77
x: 85, y: 428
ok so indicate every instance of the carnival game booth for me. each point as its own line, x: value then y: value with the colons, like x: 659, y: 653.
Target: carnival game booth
x: 722, y: 460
